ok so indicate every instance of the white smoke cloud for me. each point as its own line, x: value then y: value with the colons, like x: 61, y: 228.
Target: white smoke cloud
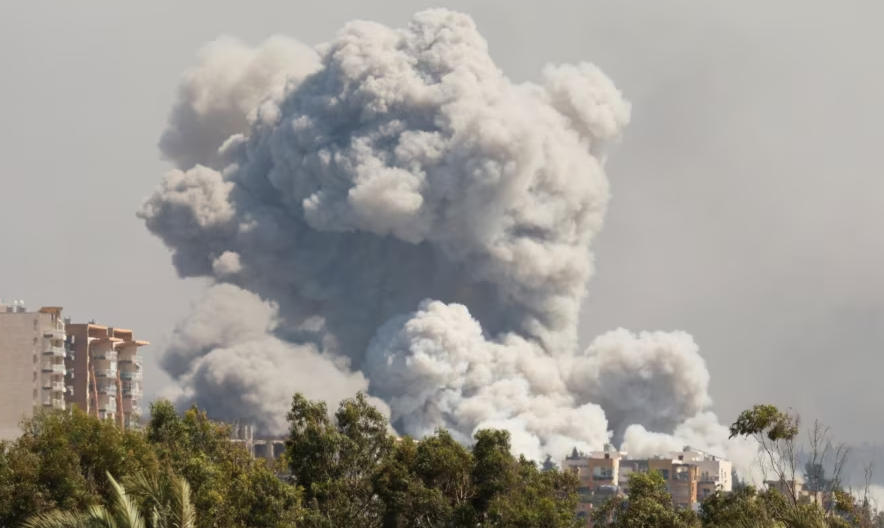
x: 657, y: 379
x: 220, y: 97
x: 391, y: 211
x: 435, y: 368
x: 228, y: 360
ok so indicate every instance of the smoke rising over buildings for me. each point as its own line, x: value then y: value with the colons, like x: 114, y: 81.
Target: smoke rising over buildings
x: 388, y: 212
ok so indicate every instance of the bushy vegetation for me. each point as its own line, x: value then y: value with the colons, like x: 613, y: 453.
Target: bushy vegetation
x: 70, y: 470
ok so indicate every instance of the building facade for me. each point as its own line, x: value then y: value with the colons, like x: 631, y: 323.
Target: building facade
x: 714, y: 472
x: 690, y: 475
x: 32, y: 364
x: 105, y: 372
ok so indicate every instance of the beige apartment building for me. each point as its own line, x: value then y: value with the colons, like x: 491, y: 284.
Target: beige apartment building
x: 50, y: 362
x: 106, y: 374
x: 32, y: 364
x: 690, y: 475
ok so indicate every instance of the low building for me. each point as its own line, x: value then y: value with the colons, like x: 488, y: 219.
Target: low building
x: 795, y: 489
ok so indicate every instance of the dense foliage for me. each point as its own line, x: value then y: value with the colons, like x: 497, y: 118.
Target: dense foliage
x: 70, y: 470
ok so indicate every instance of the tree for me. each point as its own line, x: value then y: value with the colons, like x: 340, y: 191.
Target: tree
x: 61, y: 460
x: 777, y: 435
x: 426, y: 483
x: 724, y: 510
x: 167, y: 501
x: 355, y: 474
x: 649, y: 505
x: 334, y: 460
x: 230, y: 488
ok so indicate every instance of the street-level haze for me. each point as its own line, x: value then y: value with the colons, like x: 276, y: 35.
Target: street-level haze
x: 388, y: 212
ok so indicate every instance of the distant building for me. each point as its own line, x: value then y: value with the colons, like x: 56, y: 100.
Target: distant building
x: 796, y: 489
x: 691, y: 475
x: 32, y: 364
x: 269, y: 448
x: 105, y: 372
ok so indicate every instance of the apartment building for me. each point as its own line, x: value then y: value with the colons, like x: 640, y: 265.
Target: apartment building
x: 32, y: 364
x: 599, y: 473
x: 714, y: 472
x: 681, y: 479
x: 105, y: 372
x: 690, y: 475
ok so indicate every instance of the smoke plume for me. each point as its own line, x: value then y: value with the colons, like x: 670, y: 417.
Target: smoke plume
x: 389, y: 212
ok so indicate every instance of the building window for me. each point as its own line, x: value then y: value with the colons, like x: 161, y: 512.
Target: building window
x: 665, y: 473
x: 602, y: 473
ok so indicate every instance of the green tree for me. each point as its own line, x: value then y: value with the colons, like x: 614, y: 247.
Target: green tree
x: 354, y: 474
x: 167, y: 501
x: 723, y: 510
x: 427, y: 483
x: 230, y: 488
x: 648, y: 505
x: 61, y: 460
x: 334, y: 460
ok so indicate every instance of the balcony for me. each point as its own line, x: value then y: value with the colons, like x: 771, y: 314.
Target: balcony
x: 106, y: 388
x: 55, y: 386
x: 55, y: 334
x: 109, y: 406
x: 56, y: 351
x: 131, y: 360
x: 53, y: 402
x: 133, y: 393
x: 136, y: 410
x: 70, y: 390
x: 107, y: 355
x: 105, y: 373
x: 54, y: 368
x: 130, y: 374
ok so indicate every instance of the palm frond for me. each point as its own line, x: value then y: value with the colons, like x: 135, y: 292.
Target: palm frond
x: 124, y: 509
x: 101, y: 517
x: 799, y: 517
x: 57, y: 519
x: 184, y: 512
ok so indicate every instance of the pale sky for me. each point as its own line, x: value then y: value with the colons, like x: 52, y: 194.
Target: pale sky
x: 748, y: 191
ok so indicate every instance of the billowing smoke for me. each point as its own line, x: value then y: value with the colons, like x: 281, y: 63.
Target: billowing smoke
x: 389, y: 212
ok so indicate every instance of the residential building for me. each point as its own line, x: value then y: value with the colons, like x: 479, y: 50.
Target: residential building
x: 681, y: 479
x: 32, y: 364
x: 690, y: 475
x: 598, y: 473
x: 105, y: 372
x: 715, y: 473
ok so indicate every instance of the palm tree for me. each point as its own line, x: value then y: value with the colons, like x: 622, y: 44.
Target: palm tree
x: 168, y: 500
x: 169, y: 506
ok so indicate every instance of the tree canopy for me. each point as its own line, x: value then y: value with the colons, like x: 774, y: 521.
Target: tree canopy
x: 347, y: 469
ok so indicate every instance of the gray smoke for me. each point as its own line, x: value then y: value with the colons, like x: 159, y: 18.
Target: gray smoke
x: 390, y: 211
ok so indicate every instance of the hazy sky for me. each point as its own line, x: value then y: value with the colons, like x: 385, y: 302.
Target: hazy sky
x: 748, y: 191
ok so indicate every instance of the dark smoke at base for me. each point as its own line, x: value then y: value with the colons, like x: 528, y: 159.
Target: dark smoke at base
x: 388, y: 212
